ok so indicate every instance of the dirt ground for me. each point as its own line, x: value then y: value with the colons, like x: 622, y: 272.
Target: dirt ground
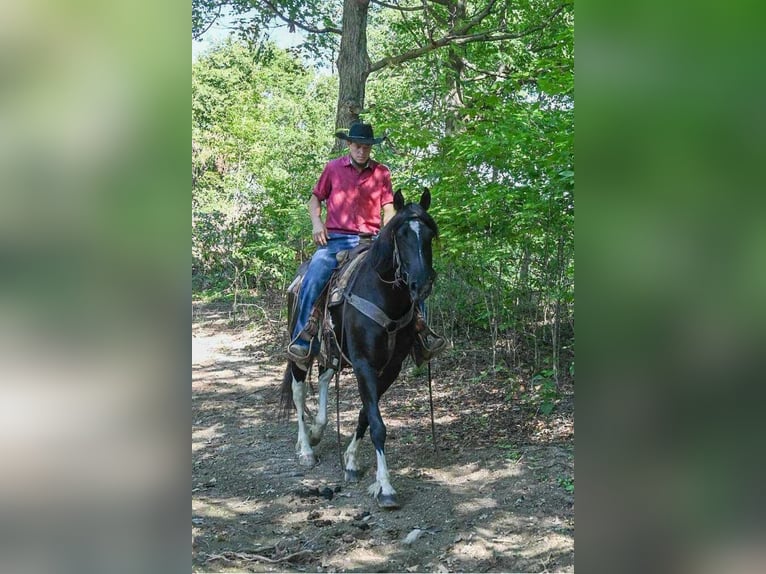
x: 498, y: 496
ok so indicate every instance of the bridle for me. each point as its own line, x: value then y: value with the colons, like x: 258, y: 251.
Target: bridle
x: 399, y: 273
x: 398, y: 279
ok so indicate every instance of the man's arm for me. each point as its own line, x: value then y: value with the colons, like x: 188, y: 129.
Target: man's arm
x: 388, y: 212
x: 319, y: 231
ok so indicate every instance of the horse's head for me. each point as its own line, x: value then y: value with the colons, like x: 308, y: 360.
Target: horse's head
x: 409, y: 235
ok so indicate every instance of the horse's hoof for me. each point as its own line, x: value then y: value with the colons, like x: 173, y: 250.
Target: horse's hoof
x: 352, y: 475
x: 388, y: 501
x: 307, y: 460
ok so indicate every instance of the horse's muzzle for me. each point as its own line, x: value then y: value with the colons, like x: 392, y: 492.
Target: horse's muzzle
x: 420, y: 291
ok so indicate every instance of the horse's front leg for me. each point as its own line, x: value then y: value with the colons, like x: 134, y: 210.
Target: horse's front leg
x: 320, y: 421
x: 349, y: 457
x: 370, y: 387
x: 381, y: 489
x: 303, y: 446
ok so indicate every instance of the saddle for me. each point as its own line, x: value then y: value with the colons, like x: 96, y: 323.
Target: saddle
x: 348, y: 262
x: 331, y: 296
x: 335, y: 293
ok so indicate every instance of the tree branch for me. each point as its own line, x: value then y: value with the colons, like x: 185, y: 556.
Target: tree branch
x: 487, y: 36
x: 416, y: 38
x: 426, y: 23
x: 475, y: 19
x: 302, y: 25
x: 397, y: 7
x: 210, y: 24
x: 484, y: 74
x: 503, y: 74
x: 538, y: 49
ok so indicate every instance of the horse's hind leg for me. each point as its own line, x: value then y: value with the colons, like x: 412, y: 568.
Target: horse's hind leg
x: 349, y: 457
x: 303, y: 446
x: 320, y: 422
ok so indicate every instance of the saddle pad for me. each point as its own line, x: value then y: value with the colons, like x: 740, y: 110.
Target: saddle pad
x: 295, y: 286
x: 340, y: 279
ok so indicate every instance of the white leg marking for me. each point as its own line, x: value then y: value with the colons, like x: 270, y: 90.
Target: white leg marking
x: 382, y: 484
x: 320, y: 422
x: 302, y: 447
x: 349, y: 457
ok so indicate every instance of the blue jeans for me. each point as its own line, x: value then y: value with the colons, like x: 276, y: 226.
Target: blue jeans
x: 323, y: 263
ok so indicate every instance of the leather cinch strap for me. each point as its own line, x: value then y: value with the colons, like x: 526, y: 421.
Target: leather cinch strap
x: 371, y: 310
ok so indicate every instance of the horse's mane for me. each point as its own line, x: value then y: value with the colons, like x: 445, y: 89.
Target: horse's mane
x: 382, y: 250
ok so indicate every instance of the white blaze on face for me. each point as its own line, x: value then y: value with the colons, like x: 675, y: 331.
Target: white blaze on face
x: 415, y: 226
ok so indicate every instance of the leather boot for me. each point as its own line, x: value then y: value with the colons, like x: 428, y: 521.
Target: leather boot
x: 427, y: 343
x: 299, y: 349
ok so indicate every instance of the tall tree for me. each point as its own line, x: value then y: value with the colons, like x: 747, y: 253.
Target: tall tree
x: 431, y: 24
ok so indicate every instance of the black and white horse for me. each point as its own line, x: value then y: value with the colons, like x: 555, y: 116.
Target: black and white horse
x: 375, y: 326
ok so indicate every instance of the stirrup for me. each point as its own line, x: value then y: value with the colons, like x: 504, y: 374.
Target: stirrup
x: 422, y: 352
x: 436, y: 346
x: 298, y: 352
x: 295, y: 352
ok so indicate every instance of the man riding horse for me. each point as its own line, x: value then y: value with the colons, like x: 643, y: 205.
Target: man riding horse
x: 354, y: 189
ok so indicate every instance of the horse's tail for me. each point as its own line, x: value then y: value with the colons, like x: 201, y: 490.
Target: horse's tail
x: 286, y: 404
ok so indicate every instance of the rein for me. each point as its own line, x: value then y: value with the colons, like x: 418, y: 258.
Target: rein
x: 431, y: 404
x: 337, y: 386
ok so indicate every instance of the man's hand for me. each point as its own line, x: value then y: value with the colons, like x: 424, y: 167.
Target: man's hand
x: 319, y: 233
x: 388, y: 212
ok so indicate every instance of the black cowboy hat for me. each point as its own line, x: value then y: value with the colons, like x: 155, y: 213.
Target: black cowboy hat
x: 360, y: 133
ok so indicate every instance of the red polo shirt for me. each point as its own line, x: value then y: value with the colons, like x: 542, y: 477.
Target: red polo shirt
x: 354, y: 199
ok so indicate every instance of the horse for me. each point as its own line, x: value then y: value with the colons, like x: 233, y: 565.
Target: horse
x: 394, y: 279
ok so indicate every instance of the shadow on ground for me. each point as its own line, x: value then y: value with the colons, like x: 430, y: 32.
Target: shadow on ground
x: 496, y: 497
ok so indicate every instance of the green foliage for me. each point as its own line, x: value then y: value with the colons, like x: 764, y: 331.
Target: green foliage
x: 258, y: 122
x: 545, y: 391
x: 567, y: 483
x: 488, y: 126
x: 254, y: 18
x: 512, y: 451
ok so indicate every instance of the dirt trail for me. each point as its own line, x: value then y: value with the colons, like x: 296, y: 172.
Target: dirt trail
x: 497, y: 497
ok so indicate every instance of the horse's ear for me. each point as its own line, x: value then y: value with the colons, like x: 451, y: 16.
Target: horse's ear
x: 425, y: 199
x: 398, y: 200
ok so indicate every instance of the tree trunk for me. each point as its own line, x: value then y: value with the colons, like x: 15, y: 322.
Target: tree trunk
x: 353, y: 64
x: 454, y: 99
